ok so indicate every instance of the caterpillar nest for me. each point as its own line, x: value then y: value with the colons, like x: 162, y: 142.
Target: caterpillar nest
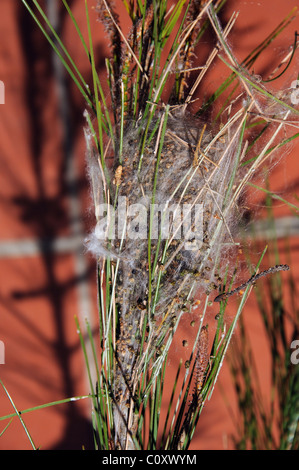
x: 187, y: 178
x: 168, y: 203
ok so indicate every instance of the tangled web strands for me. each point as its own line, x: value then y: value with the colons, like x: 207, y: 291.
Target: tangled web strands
x: 173, y: 273
x: 171, y: 160
x: 174, y: 179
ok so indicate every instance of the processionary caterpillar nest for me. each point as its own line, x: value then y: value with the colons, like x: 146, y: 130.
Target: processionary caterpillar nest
x: 167, y: 207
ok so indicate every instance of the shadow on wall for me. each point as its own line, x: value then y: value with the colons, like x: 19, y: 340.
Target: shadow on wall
x: 49, y: 211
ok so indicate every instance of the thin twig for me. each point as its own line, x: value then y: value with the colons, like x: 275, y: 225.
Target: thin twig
x: 254, y: 278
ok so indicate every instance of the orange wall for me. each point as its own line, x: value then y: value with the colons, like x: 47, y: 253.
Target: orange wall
x: 44, y: 201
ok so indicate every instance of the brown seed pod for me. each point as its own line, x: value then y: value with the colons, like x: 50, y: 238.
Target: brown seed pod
x: 118, y: 175
x: 202, y: 359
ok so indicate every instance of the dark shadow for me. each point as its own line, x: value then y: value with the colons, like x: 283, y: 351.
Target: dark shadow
x: 46, y: 216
